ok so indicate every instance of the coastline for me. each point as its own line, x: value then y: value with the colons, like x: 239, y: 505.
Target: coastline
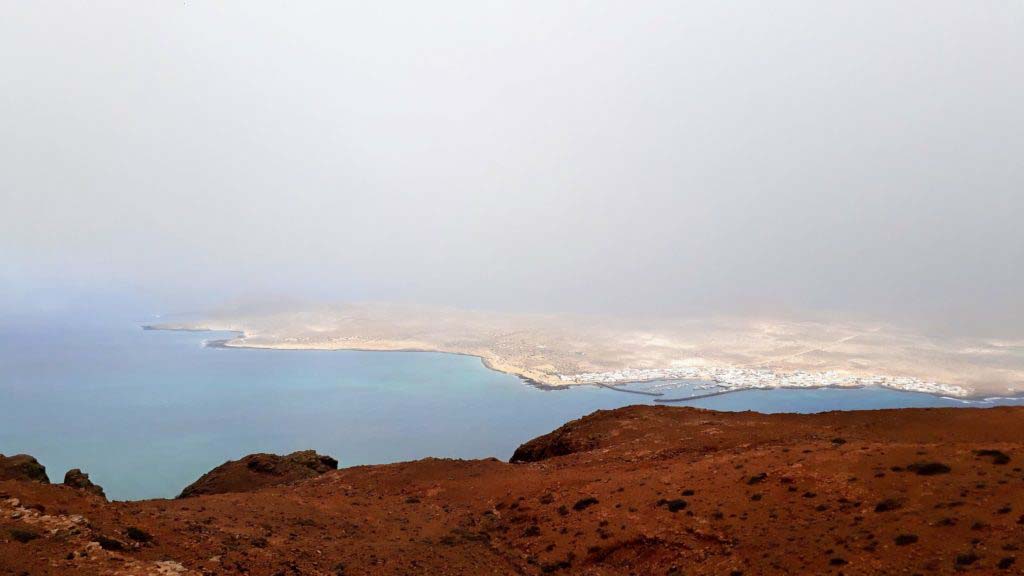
x: 238, y: 342
x: 549, y: 382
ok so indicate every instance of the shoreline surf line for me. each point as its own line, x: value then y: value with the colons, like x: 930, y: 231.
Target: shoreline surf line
x: 239, y: 343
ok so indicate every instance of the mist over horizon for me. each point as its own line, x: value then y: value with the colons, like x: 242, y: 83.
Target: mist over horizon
x: 856, y: 160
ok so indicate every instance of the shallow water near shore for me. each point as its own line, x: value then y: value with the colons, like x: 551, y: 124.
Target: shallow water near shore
x: 147, y: 412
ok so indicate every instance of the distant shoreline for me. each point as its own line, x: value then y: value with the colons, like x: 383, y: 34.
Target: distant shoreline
x: 156, y: 328
x: 227, y: 343
x: 238, y: 343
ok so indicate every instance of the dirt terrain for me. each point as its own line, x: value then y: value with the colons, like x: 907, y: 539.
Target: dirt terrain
x: 639, y: 490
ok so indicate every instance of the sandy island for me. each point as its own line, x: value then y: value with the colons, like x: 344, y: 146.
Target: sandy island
x: 570, y: 350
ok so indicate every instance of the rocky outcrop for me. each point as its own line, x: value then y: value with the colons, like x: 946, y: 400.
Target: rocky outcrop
x: 79, y: 480
x: 257, y: 471
x: 318, y: 463
x: 561, y: 442
x: 593, y: 431
x: 22, y: 467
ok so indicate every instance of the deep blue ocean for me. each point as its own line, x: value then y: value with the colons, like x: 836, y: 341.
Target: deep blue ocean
x: 147, y: 412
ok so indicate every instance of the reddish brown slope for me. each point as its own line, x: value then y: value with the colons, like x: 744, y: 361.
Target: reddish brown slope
x: 640, y: 490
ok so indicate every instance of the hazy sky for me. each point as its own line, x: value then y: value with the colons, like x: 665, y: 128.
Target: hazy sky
x: 849, y: 157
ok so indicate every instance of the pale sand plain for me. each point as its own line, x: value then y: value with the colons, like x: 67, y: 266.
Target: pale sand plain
x: 565, y: 350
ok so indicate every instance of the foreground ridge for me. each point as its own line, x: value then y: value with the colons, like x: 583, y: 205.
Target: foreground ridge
x: 638, y: 490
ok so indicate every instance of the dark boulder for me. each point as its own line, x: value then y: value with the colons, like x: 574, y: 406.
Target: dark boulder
x: 257, y: 471
x: 318, y: 463
x: 77, y: 479
x: 997, y: 456
x: 22, y: 467
x: 929, y: 468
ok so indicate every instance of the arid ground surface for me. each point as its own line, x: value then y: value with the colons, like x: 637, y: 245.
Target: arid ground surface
x: 560, y: 350
x: 638, y: 490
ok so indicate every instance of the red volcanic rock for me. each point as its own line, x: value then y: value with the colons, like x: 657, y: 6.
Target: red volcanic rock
x: 22, y: 467
x: 639, y: 490
x: 257, y: 471
x: 75, y: 478
x: 569, y: 439
x: 318, y: 463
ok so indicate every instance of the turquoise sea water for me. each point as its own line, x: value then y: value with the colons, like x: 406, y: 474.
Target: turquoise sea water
x: 147, y: 412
